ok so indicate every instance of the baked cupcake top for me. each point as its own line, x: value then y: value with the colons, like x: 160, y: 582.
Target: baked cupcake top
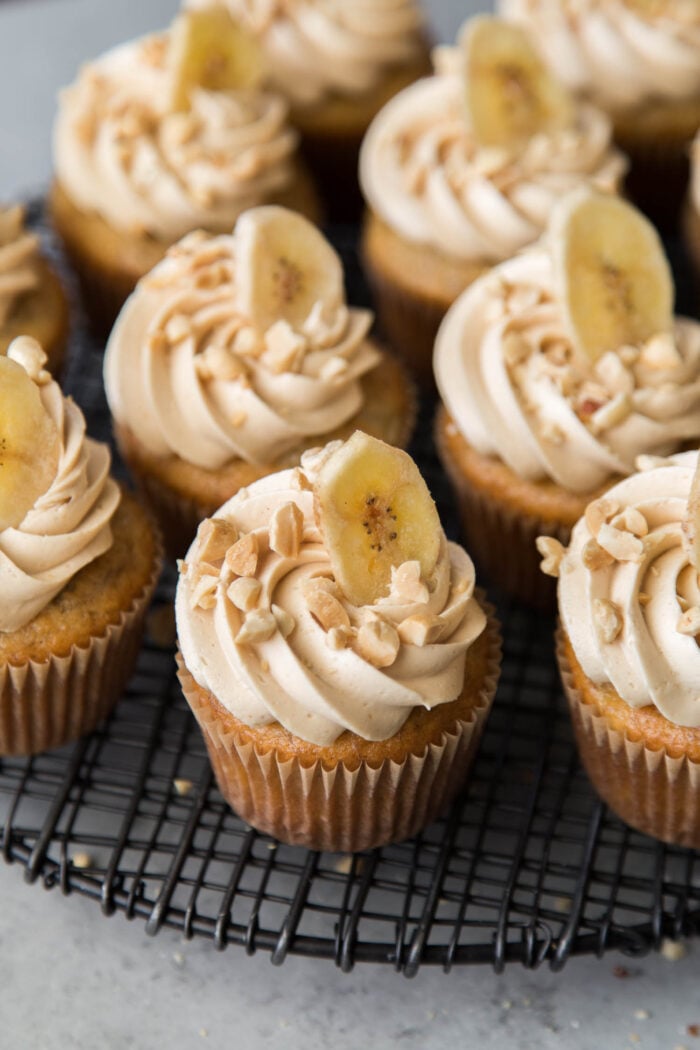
x: 566, y: 362
x: 19, y: 260
x: 240, y: 345
x: 56, y: 498
x: 155, y: 142
x: 327, y: 597
x: 451, y: 162
x: 621, y: 53
x: 629, y: 596
x: 316, y: 49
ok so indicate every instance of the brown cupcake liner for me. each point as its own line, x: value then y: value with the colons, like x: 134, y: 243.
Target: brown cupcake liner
x: 650, y: 790
x: 341, y: 809
x: 46, y: 704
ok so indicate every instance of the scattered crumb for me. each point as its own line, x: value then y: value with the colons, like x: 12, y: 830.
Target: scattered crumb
x: 527, y: 1002
x: 178, y: 958
x: 82, y: 860
x: 283, y: 1024
x: 673, y: 950
x: 620, y: 971
x: 562, y: 905
x: 506, y: 1004
x: 343, y: 865
x: 633, y: 1037
x: 642, y: 1015
x: 204, y: 1033
x: 679, y: 1046
x: 431, y: 1015
x: 182, y: 786
x: 694, y: 1030
x: 272, y: 846
x: 160, y: 625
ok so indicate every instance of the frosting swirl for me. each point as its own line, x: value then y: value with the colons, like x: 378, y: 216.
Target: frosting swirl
x: 632, y: 616
x: 19, y: 256
x: 422, y: 171
x: 621, y: 55
x: 507, y: 372
x: 188, y: 374
x: 255, y: 644
x: 69, y: 524
x: 320, y: 49
x: 121, y: 153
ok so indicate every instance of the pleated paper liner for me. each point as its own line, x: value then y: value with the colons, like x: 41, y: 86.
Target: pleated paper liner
x: 651, y: 790
x: 49, y: 703
x: 333, y: 806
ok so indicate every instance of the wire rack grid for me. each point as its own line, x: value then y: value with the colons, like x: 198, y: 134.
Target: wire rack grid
x: 528, y: 866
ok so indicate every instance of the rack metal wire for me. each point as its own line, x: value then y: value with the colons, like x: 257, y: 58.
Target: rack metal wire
x: 528, y: 866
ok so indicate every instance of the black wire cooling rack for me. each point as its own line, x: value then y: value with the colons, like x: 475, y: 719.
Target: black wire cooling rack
x: 528, y: 866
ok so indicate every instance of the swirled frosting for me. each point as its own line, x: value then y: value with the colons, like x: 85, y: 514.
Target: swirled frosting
x: 425, y: 175
x: 254, y: 642
x: 120, y: 152
x: 632, y: 614
x: 188, y: 374
x: 19, y: 255
x: 507, y: 372
x: 622, y: 55
x: 69, y: 524
x: 319, y: 49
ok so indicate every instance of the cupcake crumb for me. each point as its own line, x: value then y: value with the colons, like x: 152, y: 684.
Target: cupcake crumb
x: 182, y: 786
x: 82, y: 860
x: 673, y: 950
x: 642, y: 1015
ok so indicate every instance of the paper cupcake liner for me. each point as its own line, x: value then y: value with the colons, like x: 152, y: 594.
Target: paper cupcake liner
x: 46, y: 704
x: 340, y: 809
x: 649, y: 789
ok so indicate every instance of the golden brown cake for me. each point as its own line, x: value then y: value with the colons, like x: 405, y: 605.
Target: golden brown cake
x: 342, y: 681
x: 32, y: 300
x: 80, y: 562
x: 215, y: 376
x: 550, y: 391
x: 457, y: 179
x: 149, y: 146
x: 628, y: 650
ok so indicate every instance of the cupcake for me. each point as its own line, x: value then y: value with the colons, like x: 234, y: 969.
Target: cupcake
x: 32, y: 301
x: 336, y: 64
x: 78, y: 564
x: 556, y: 371
x: 234, y: 355
x: 161, y: 136
x: 691, y: 213
x: 628, y: 647
x: 460, y: 172
x: 333, y: 651
x: 639, y: 60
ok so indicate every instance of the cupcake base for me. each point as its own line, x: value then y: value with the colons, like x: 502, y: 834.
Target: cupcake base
x: 43, y: 315
x: 182, y: 494
x: 502, y: 515
x: 413, y: 285
x: 645, y: 768
x: 62, y: 673
x: 354, y: 794
x: 109, y: 262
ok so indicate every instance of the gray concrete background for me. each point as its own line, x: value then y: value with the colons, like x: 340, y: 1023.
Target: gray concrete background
x: 73, y: 980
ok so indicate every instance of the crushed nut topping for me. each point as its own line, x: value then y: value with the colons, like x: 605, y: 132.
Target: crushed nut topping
x: 284, y: 348
x: 203, y: 594
x: 339, y: 637
x: 608, y: 618
x: 287, y: 530
x: 244, y: 592
x: 258, y: 626
x: 406, y: 583
x: 689, y: 623
x: 631, y: 520
x: 214, y: 537
x: 325, y: 606
x: 611, y: 414
x: 420, y: 629
x: 599, y: 512
x: 285, y: 621
x: 377, y: 642
x: 594, y: 557
x: 623, y: 546
x: 552, y: 552
x: 242, y: 557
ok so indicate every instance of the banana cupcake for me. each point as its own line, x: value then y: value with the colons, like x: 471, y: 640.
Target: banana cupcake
x: 161, y: 136
x: 556, y: 371
x: 461, y: 170
x: 78, y: 563
x: 234, y: 355
x: 639, y: 60
x: 333, y: 651
x: 337, y: 65
x: 32, y: 300
x: 628, y: 647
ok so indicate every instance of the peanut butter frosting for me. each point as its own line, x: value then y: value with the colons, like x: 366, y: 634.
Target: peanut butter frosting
x: 248, y: 633
x: 69, y: 524
x: 508, y: 374
x: 423, y: 172
x: 120, y: 152
x: 316, y: 49
x: 629, y: 596
x: 621, y: 54
x: 19, y: 256
x: 190, y: 376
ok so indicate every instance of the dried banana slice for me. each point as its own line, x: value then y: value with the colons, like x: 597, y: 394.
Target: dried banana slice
x: 612, y: 274
x: 284, y: 267
x: 374, y: 511
x: 209, y: 49
x: 29, y: 444
x: 510, y: 94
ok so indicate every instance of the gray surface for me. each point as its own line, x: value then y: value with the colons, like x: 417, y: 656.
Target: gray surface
x: 70, y: 978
